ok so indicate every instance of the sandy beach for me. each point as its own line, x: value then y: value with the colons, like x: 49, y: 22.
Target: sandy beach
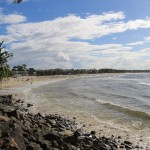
x: 12, y: 82
x: 27, y: 80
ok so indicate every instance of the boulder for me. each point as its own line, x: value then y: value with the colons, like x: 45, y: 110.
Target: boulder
x: 44, y: 144
x: 54, y: 135
x: 17, y: 132
x: 33, y: 146
x: 29, y: 105
x: 4, y: 118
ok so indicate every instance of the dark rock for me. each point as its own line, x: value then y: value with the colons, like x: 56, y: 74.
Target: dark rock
x: 4, y: 118
x: 13, y: 145
x: 79, y: 132
x: 84, y: 125
x: 33, y: 146
x: 6, y: 99
x: 137, y: 146
x: 1, y: 112
x: 21, y: 116
x: 29, y: 105
x: 121, y: 146
x: 93, y: 132
x: 54, y: 135
x: 128, y: 146
x: 36, y: 133
x: 11, y: 112
x: 127, y: 142
x: 44, y: 144
x: 70, y: 147
x: 17, y: 133
x: 119, y: 137
x: 71, y: 140
x: 52, y: 122
x: 55, y: 144
x: 114, y: 144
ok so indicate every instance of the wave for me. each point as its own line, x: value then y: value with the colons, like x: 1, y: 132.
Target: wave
x: 146, y: 96
x: 122, y: 96
x: 146, y: 84
x: 128, y: 111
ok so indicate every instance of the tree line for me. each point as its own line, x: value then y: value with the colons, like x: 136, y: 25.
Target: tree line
x: 60, y: 71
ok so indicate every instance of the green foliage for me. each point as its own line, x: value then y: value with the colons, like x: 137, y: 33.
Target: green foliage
x: 31, y: 71
x: 22, y: 67
x: 59, y: 71
x: 4, y: 67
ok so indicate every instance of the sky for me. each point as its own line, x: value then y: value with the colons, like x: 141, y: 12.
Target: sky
x: 48, y: 34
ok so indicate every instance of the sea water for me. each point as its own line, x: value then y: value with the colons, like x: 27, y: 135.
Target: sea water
x: 111, y: 103
x: 117, y: 104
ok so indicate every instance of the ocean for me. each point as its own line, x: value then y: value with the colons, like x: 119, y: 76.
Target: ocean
x: 108, y: 103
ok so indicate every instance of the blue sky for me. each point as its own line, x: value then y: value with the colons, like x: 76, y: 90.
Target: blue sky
x: 77, y: 33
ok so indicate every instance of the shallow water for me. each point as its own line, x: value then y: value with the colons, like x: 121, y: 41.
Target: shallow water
x: 124, y: 96
x: 115, y: 102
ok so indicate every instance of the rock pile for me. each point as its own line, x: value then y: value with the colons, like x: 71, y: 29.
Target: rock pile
x: 21, y: 130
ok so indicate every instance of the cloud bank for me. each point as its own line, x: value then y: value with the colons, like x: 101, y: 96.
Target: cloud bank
x: 66, y: 41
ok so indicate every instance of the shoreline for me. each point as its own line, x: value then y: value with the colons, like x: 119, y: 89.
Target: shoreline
x: 55, y: 79
x: 22, y: 130
x: 29, y: 80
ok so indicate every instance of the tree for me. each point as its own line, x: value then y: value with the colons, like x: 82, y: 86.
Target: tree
x: 4, y: 57
x: 22, y: 67
x: 17, y: 1
x: 31, y: 71
x: 14, y: 68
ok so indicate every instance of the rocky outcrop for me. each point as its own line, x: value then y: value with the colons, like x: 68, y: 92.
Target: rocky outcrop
x: 22, y: 130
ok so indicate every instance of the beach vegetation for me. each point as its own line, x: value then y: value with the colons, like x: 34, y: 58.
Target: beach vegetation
x: 32, y: 71
x: 59, y: 71
x: 22, y: 67
x: 23, y: 70
x: 5, y: 56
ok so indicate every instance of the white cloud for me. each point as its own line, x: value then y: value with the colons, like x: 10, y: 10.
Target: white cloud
x: 93, y: 26
x: 136, y: 43
x: 11, y: 18
x: 7, y: 39
x: 147, y: 38
x: 51, y: 43
x: 62, y: 56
